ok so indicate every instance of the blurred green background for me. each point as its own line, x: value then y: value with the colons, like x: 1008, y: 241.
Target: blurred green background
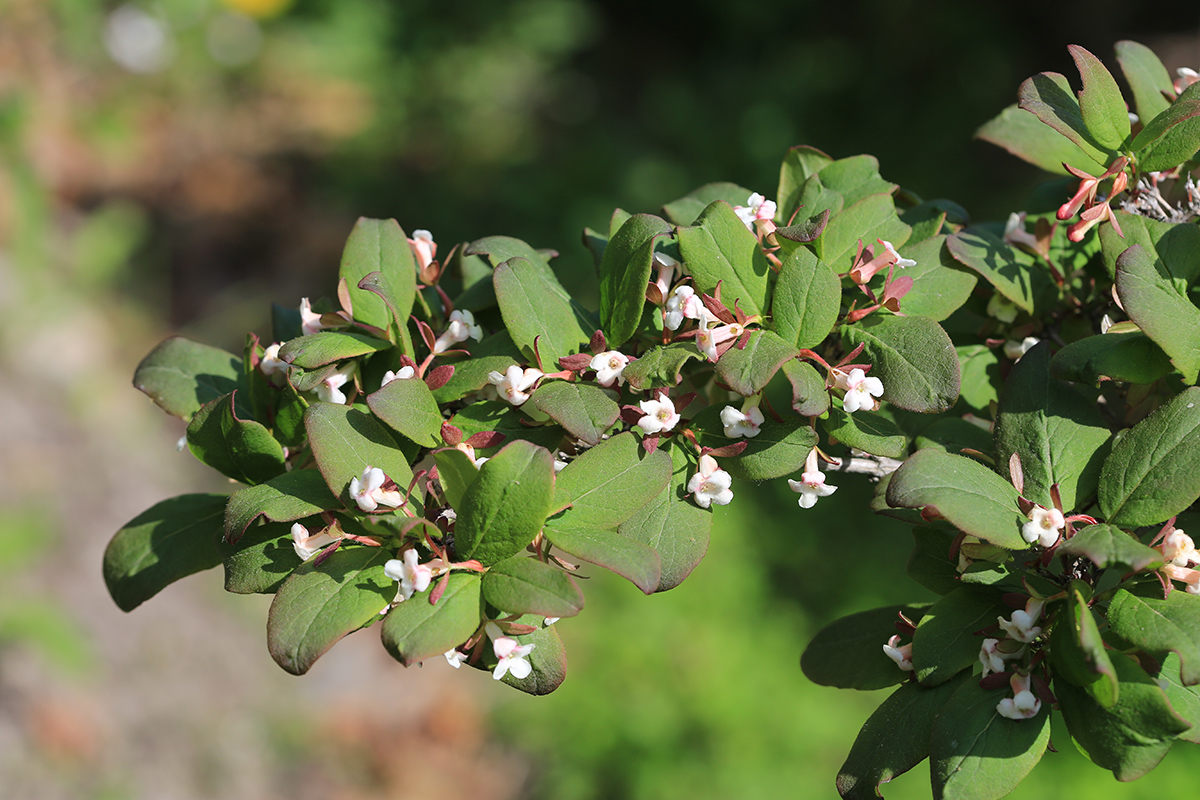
x: 175, y: 166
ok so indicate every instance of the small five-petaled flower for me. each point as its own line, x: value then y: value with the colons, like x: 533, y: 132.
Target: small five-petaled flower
x: 812, y: 485
x: 710, y: 484
x: 513, y: 384
x: 375, y: 489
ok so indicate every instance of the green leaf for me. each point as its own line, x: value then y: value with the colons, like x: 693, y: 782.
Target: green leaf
x: 535, y: 307
x: 1166, y: 316
x: 1027, y: 137
x: 608, y: 483
x: 1131, y: 737
x: 495, y: 353
x: 523, y: 585
x: 1185, y: 700
x: 1153, y: 471
x: 687, y: 209
x: 1078, y: 654
x: 624, y: 274
x: 810, y: 397
x: 507, y: 504
x: 848, y: 653
x: 328, y: 347
x: 800, y: 163
x: 913, y: 357
x: 585, y: 411
x: 548, y: 660
x: 1146, y: 76
x: 867, y: 431
x: 456, y: 473
x: 1172, y: 137
x: 1100, y: 103
x: 1131, y: 357
x: 672, y: 525
x: 415, y: 630
x: 409, y: 408
x: 1058, y: 434
x: 1175, y: 247
x: 499, y: 249
x: 261, y: 560
x: 980, y: 368
x: 748, y: 370
x: 945, y: 642
x: 380, y: 246
x: 873, y: 217
x: 660, y: 367
x: 239, y: 449
x: 1158, y: 624
x: 976, y: 753
x: 345, y: 441
x: 779, y: 448
x: 953, y: 435
x: 808, y: 297
x: 1048, y: 96
x: 319, y: 604
x: 967, y: 494
x: 286, y: 498
x: 494, y: 415
x: 940, y: 285
x: 855, y: 178
x: 721, y: 249
x: 1008, y: 269
x: 1109, y: 546
x: 879, y: 754
x: 632, y: 560
x: 930, y: 564
x: 168, y: 541
x: 180, y: 375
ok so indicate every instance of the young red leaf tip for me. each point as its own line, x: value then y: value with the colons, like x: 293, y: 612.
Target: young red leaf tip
x: 451, y: 434
x: 598, y: 343
x: 439, y: 376
x: 485, y: 439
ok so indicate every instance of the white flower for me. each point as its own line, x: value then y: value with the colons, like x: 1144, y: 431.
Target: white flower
x: 710, y: 484
x: 511, y: 655
x: 1021, y: 627
x: 860, y: 390
x: 310, y: 321
x: 308, y: 546
x: 756, y: 208
x: 707, y: 338
x: 745, y: 422
x: 271, y: 363
x: 1179, y: 549
x: 900, y: 262
x: 424, y: 249
x: 404, y: 374
x: 1024, y: 704
x: 369, y: 492
x: 901, y: 654
x: 609, y: 366
x: 1001, y: 308
x: 478, y: 461
x: 666, y: 272
x: 1013, y: 350
x: 1044, y: 527
x: 993, y: 658
x: 1190, y: 577
x: 330, y: 389
x: 548, y: 621
x: 682, y: 304
x: 512, y: 384
x: 412, y: 577
x: 811, y: 485
x: 661, y: 415
x: 454, y: 658
x: 462, y: 327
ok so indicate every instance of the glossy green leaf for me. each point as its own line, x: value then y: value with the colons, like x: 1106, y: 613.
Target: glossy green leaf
x: 535, y: 307
x: 808, y: 297
x: 261, y: 560
x: 409, y: 408
x: 523, y: 585
x: 1165, y: 315
x: 498, y: 416
x: 1048, y: 96
x: 328, y: 347
x: 748, y: 370
x: 507, y: 504
x: 1100, y: 102
x: 380, y: 246
x: 414, y: 630
x: 849, y: 653
x: 1172, y: 137
x: 1158, y: 624
x: 345, y: 441
x: 168, y: 541
x: 1153, y: 471
x: 240, y: 449
x: 1175, y: 248
x: 977, y: 754
x: 180, y: 375
x: 1009, y: 270
x: 660, y: 367
x: 867, y: 431
x: 318, y: 605
x: 871, y: 218
x: 945, y: 642
x: 286, y: 498
x: 456, y: 473
x: 608, y: 483
x: 967, y: 494
x: 800, y: 163
x: 779, y: 448
x: 721, y: 249
x: 810, y: 397
x: 585, y: 411
x: 855, y: 178
x: 1027, y: 137
x: 1109, y: 546
x: 1146, y: 76
x: 1133, y: 736
x: 637, y: 562
x: 940, y: 285
x: 624, y: 274
x: 687, y: 209
x: 495, y: 353
x: 1131, y: 357
x: 913, y: 357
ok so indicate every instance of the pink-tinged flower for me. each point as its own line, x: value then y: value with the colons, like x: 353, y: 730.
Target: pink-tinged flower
x: 756, y: 208
x: 1190, y: 577
x: 708, y: 339
x: 478, y: 461
x: 512, y: 385
x: 661, y: 415
x: 307, y: 545
x: 710, y: 484
x: 993, y: 657
x: 860, y: 390
x: 462, y: 327
x: 511, y: 654
x: 412, y: 577
x: 374, y: 490
x: 1187, y: 76
x: 609, y: 366
x: 1179, y: 549
x: 424, y: 249
x: 454, y: 658
x: 330, y: 389
x: 682, y: 304
x: 1024, y: 704
x: 896, y: 257
x: 901, y: 654
x: 745, y: 422
x: 311, y: 322
x: 811, y: 485
x: 404, y: 374
x: 666, y: 272
x: 271, y: 363
x: 1021, y: 627
x: 1045, y: 526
